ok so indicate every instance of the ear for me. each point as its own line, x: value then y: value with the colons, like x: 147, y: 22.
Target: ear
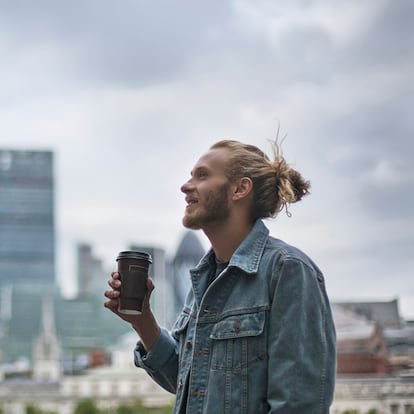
x: 242, y: 188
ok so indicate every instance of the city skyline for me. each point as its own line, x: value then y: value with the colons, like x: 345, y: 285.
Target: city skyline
x: 129, y: 96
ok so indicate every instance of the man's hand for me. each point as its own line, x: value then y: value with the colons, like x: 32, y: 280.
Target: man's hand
x: 113, y: 296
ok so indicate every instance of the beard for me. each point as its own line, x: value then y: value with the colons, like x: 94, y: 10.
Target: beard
x: 214, y: 210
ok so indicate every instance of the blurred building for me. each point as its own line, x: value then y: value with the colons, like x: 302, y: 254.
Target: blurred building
x: 90, y: 272
x: 361, y: 346
x: 25, y: 320
x: 27, y: 232
x: 376, y: 395
x: 46, y: 352
x: 46, y: 388
x: 400, y: 345
x: 187, y: 256
x: 27, y: 271
x: 385, y: 313
x: 27, y: 235
x: 387, y: 329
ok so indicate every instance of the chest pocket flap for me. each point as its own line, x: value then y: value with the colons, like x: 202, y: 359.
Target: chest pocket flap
x: 239, y: 326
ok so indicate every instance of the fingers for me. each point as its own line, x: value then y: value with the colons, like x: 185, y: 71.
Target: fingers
x: 113, y: 294
x: 111, y: 304
x: 114, y: 282
x: 150, y: 285
x: 150, y: 288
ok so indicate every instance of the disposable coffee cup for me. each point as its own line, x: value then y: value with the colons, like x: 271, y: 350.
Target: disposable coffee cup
x: 133, y: 273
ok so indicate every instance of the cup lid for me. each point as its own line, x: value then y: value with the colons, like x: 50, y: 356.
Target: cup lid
x: 130, y: 254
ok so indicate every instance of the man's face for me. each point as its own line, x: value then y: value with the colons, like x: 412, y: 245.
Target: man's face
x: 207, y: 192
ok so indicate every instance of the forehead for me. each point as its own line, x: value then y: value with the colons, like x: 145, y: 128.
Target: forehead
x: 214, y: 159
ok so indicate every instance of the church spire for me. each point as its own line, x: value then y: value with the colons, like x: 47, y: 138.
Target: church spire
x: 46, y: 355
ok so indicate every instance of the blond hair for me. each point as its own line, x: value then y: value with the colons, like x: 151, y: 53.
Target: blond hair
x: 276, y: 184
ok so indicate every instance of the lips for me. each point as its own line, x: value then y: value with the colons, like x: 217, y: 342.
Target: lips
x: 191, y: 201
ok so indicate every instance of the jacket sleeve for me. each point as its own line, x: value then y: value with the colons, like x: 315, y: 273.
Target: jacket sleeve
x: 301, y: 342
x: 161, y: 362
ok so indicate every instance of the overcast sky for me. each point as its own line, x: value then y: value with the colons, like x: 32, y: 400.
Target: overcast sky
x: 130, y: 93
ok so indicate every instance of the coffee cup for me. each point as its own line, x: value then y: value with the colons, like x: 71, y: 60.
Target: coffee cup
x: 133, y: 269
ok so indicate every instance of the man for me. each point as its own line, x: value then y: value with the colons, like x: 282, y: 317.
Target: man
x: 256, y: 333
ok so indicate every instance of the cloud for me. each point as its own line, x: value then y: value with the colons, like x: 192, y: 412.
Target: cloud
x: 389, y: 36
x: 131, y: 44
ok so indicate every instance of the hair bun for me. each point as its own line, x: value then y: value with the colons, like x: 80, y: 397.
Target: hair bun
x: 290, y: 184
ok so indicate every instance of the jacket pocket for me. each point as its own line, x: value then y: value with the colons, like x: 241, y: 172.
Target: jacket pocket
x: 238, y: 341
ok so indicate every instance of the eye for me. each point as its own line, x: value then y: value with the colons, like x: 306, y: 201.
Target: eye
x: 202, y: 175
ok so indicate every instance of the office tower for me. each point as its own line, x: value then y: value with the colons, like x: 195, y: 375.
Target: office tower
x: 27, y: 244
x: 27, y: 239
x: 91, y: 275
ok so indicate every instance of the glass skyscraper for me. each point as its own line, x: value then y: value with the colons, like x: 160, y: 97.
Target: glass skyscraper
x: 27, y: 234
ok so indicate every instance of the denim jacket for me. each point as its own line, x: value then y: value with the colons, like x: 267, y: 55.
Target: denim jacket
x: 259, y: 339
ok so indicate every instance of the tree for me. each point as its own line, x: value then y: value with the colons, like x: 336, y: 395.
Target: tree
x: 167, y: 409
x: 32, y: 409
x: 139, y: 408
x: 125, y: 409
x: 86, y: 407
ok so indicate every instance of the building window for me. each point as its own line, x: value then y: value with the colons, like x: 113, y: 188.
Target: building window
x: 394, y: 409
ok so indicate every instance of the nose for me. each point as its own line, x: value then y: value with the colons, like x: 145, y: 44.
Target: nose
x: 186, y: 187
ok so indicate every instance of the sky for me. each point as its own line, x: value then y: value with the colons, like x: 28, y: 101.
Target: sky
x: 129, y: 94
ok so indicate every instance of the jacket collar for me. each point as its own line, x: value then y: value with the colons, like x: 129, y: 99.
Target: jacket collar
x: 247, y: 256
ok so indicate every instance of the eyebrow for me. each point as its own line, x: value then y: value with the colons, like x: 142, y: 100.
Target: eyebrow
x: 199, y: 168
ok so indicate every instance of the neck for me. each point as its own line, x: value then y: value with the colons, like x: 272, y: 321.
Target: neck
x: 226, y: 237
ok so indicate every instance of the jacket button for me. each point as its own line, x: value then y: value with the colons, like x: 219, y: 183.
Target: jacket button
x: 237, y: 326
x: 189, y: 345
